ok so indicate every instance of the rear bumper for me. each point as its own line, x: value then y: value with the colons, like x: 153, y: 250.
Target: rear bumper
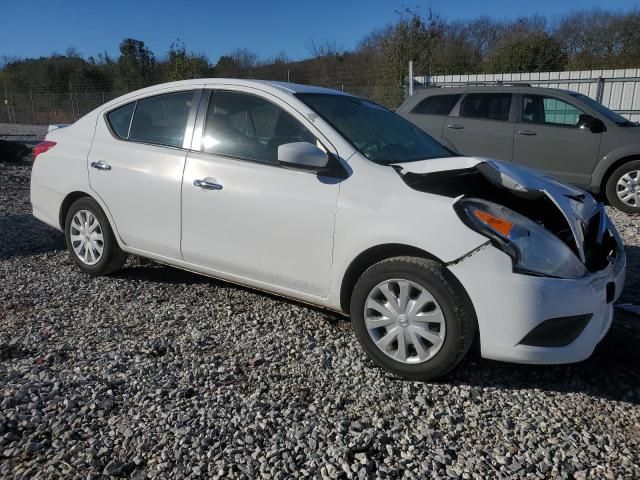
x: 46, y: 203
x: 509, y: 306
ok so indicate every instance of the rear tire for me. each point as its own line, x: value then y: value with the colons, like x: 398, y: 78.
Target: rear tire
x: 623, y: 187
x: 435, y: 336
x: 90, y: 239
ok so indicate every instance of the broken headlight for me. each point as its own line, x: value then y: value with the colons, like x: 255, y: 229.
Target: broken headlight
x: 533, y: 249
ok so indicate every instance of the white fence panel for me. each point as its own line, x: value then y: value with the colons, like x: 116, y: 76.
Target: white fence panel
x: 617, y: 89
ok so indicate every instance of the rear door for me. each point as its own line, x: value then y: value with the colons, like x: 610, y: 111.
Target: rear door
x: 430, y: 113
x: 135, y: 166
x: 481, y: 125
x: 547, y: 137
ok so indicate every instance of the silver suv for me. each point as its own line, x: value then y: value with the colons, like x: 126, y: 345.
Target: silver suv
x: 565, y: 134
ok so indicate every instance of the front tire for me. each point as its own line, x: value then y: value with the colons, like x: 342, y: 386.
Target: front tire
x: 90, y: 239
x: 412, y: 317
x: 623, y: 187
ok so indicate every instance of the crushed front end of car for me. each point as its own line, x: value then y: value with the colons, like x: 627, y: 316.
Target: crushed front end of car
x: 544, y: 284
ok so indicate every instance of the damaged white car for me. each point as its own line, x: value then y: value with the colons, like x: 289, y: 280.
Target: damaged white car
x: 335, y: 201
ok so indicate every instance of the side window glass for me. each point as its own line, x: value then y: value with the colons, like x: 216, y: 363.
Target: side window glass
x: 120, y: 119
x: 162, y: 119
x: 249, y: 127
x: 539, y: 109
x: 436, y: 105
x: 489, y: 106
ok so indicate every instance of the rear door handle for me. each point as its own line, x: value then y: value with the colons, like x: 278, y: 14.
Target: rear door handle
x: 101, y: 165
x: 527, y: 132
x: 207, y: 184
x: 455, y: 126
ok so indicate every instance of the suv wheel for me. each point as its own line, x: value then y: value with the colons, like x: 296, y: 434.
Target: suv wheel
x: 412, y: 318
x: 90, y: 240
x: 623, y: 187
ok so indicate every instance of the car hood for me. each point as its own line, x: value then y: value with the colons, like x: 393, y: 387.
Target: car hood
x: 577, y: 206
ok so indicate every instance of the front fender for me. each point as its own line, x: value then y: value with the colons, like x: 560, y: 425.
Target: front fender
x: 603, y: 166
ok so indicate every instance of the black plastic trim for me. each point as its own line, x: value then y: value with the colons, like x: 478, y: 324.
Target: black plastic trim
x: 557, y: 332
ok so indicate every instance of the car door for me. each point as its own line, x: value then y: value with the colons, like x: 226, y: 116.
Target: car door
x: 481, y: 125
x: 136, y: 162
x: 246, y: 216
x: 430, y: 113
x: 547, y: 137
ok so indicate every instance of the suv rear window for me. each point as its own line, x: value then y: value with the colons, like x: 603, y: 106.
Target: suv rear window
x: 489, y: 106
x: 436, y: 105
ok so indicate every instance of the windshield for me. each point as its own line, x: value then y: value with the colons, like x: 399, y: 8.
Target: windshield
x: 379, y: 134
x: 601, y: 109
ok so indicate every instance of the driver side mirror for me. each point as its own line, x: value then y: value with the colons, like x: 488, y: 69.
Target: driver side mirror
x: 302, y: 155
x: 594, y: 124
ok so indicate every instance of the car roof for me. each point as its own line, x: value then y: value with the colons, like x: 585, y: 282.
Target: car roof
x: 425, y: 92
x: 268, y: 86
x: 432, y: 91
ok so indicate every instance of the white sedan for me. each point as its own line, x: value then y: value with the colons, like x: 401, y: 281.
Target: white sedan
x: 333, y: 200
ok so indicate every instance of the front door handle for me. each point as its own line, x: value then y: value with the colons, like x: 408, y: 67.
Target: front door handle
x: 207, y: 184
x: 529, y: 133
x: 455, y: 126
x: 101, y: 165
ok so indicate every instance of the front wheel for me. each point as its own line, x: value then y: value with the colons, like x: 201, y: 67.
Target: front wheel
x: 412, y: 317
x: 623, y: 187
x: 90, y: 240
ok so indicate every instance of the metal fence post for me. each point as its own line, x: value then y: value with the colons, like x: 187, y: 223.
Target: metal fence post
x: 55, y: 111
x: 411, y: 78
x: 6, y: 101
x: 33, y: 108
x: 600, y: 89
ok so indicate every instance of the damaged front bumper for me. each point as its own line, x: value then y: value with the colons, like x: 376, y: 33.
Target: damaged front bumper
x: 510, y: 306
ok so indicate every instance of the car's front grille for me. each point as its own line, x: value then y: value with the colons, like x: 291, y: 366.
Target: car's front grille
x: 600, y: 245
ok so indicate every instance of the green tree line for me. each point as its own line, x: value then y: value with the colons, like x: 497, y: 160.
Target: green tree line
x: 376, y: 67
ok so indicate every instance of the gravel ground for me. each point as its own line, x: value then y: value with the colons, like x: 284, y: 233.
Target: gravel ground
x: 158, y: 373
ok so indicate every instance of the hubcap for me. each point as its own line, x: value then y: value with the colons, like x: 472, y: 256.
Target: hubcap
x: 404, y: 321
x: 628, y: 188
x: 86, y: 237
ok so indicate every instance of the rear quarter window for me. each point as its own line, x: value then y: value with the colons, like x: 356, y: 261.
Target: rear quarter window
x: 120, y: 119
x: 437, y: 105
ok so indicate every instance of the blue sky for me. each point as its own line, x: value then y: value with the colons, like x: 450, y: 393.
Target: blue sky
x: 37, y: 27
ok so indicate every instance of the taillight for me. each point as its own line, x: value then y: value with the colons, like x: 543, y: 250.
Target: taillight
x: 42, y: 147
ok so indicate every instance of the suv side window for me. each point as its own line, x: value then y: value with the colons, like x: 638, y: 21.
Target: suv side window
x: 249, y: 127
x: 541, y: 109
x: 437, y: 105
x: 162, y: 119
x: 488, y: 106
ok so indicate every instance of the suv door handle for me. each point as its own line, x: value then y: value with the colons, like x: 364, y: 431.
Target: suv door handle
x: 455, y: 126
x: 101, y: 165
x: 207, y: 184
x: 526, y: 132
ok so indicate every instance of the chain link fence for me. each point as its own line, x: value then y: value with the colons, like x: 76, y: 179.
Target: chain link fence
x: 52, y: 107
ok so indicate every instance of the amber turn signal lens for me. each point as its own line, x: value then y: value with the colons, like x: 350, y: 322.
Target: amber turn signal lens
x: 500, y: 225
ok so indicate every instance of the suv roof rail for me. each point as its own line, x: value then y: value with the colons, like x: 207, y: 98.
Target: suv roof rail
x: 498, y: 83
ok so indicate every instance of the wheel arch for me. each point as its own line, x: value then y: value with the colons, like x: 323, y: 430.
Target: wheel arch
x: 369, y: 257
x: 66, y: 205
x: 611, y: 168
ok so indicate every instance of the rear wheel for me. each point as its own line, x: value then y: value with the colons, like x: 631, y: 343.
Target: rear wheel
x: 412, y: 318
x: 90, y: 240
x: 623, y: 187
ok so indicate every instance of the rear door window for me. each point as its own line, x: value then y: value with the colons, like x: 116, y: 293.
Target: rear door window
x: 162, y: 119
x: 437, y: 105
x: 487, y: 106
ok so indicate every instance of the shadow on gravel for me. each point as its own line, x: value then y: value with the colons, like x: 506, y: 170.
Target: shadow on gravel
x: 612, y: 372
x: 22, y: 235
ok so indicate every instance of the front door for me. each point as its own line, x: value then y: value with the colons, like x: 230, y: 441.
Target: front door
x: 135, y: 167
x: 246, y: 216
x: 547, y: 137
